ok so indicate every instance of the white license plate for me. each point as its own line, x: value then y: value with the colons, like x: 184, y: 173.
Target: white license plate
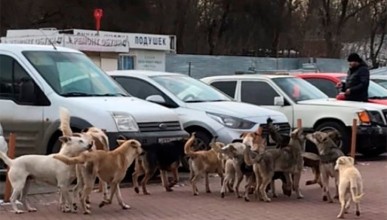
x: 166, y: 140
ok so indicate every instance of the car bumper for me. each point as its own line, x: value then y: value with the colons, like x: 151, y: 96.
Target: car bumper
x: 147, y: 137
x: 371, y: 137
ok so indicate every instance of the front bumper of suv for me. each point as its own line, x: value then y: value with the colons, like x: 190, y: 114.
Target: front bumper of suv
x: 147, y: 137
x: 371, y: 138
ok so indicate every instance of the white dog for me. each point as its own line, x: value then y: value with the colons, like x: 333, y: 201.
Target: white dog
x: 3, y: 143
x: 46, y: 169
x: 350, y: 184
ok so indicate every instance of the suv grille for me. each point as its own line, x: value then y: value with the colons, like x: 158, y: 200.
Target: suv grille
x: 159, y: 126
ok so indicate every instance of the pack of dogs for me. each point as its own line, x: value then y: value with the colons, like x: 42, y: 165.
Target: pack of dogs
x: 86, y: 156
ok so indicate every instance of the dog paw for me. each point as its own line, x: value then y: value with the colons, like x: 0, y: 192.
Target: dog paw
x: 125, y: 206
x: 87, y: 212
x: 357, y: 213
x: 247, y: 199
x: 146, y: 193
x: 88, y: 206
x: 300, y: 197
x: 336, y: 197
x: 168, y: 189
x: 195, y: 193
x: 340, y: 216
x: 136, y: 190
x: 275, y: 195
x: 19, y: 211
x: 32, y: 210
x: 267, y: 200
x: 222, y: 195
x: 208, y: 191
x: 325, y: 198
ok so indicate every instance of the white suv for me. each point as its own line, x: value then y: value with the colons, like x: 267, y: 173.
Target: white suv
x: 201, y: 108
x: 297, y: 98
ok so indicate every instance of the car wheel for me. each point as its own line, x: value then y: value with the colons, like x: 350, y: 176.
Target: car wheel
x: 202, y: 143
x: 344, y: 144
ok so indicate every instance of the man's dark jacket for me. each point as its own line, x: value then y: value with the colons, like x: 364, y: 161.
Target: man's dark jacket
x: 357, y: 82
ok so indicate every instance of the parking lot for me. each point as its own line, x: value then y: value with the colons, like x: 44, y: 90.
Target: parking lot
x: 180, y: 204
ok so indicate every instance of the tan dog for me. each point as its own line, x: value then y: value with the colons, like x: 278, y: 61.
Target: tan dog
x: 350, y: 184
x: 202, y: 163
x: 328, y: 154
x: 109, y: 166
x: 101, y: 142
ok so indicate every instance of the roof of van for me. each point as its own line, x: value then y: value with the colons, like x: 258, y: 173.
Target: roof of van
x: 24, y: 47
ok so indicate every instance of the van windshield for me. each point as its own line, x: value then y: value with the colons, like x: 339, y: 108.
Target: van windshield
x: 73, y: 74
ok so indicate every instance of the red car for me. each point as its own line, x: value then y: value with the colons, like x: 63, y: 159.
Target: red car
x: 327, y: 82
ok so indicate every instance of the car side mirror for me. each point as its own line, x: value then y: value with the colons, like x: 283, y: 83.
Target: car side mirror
x: 156, y: 99
x: 279, y: 101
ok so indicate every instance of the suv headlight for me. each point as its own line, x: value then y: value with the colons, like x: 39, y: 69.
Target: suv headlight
x: 125, y: 122
x: 232, y: 122
x: 375, y: 117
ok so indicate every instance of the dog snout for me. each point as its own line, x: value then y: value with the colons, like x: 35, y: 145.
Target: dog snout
x: 91, y: 144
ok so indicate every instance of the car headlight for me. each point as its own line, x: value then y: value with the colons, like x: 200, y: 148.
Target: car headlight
x: 375, y: 117
x: 232, y: 122
x: 125, y: 122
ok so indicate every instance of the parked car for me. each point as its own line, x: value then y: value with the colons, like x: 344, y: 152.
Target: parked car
x: 35, y: 81
x: 380, y: 80
x: 379, y: 71
x: 327, y: 82
x: 298, y: 99
x: 201, y: 108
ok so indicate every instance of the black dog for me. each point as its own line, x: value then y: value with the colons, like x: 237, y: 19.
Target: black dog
x: 163, y: 156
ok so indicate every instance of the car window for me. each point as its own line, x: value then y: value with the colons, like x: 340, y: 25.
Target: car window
x: 258, y: 93
x: 227, y: 87
x: 326, y: 86
x: 140, y: 88
x: 12, y: 79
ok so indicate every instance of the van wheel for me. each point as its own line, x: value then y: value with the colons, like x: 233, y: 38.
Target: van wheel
x: 335, y: 126
x: 202, y: 142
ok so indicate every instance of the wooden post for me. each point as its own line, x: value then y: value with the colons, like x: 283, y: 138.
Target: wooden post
x: 353, y: 140
x: 299, y: 123
x: 11, y: 154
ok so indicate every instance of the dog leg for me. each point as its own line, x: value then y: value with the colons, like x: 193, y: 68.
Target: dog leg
x: 296, y: 185
x: 342, y: 204
x: 325, y: 180
x: 139, y: 171
x: 249, y: 183
x: 193, y: 183
x: 207, y: 183
x: 164, y: 180
x: 225, y: 183
x: 262, y: 189
x: 113, y: 191
x: 68, y: 202
x: 87, y: 189
x: 24, y: 200
x: 239, y: 177
x: 144, y: 181
x: 175, y: 173
x: 17, y: 190
x: 272, y: 186
x: 336, y: 185
x: 119, y: 198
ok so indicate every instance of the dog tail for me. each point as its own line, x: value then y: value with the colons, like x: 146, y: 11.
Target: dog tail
x: 356, y: 192
x: 64, y: 126
x: 71, y: 160
x: 187, y: 147
x: 5, y: 158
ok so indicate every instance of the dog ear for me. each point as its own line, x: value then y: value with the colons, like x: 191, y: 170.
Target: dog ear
x: 119, y: 141
x: 64, y: 139
x: 350, y: 160
x: 85, y: 130
x: 243, y: 135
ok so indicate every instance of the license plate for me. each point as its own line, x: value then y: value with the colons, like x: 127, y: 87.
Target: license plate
x: 169, y: 139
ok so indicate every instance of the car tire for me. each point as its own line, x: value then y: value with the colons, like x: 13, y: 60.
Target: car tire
x: 345, y: 136
x: 203, y: 139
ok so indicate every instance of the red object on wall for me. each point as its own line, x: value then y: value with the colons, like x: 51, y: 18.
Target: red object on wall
x: 98, y: 13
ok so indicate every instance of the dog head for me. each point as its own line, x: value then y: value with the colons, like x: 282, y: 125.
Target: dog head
x: 254, y: 139
x: 75, y: 144
x: 131, y: 146
x: 344, y: 161
x: 297, y: 138
x: 324, y: 140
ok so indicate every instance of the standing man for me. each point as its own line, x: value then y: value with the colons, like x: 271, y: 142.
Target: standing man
x: 356, y: 85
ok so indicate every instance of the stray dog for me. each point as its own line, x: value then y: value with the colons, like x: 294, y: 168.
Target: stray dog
x: 202, y: 163
x: 101, y: 142
x: 329, y: 153
x: 109, y: 166
x: 46, y: 169
x: 287, y: 159
x: 350, y: 184
x: 165, y: 157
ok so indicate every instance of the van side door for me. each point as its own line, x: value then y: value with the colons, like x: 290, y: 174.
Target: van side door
x: 21, y: 106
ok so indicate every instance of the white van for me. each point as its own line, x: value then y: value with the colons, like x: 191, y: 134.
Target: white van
x: 36, y: 80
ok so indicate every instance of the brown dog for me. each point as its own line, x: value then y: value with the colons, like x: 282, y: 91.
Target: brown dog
x: 202, y: 163
x: 109, y: 166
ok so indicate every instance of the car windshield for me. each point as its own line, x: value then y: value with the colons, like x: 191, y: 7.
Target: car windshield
x: 375, y: 91
x: 73, y: 74
x: 299, y: 89
x: 188, y: 89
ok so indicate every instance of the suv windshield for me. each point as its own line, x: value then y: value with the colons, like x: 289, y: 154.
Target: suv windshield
x: 188, y: 89
x: 73, y: 74
x: 375, y: 91
x: 298, y: 89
